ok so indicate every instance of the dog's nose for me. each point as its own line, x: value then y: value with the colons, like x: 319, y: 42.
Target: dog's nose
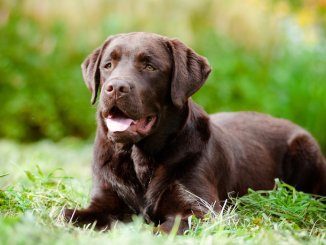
x: 118, y: 87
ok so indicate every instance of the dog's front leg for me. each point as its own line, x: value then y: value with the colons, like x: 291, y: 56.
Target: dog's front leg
x: 105, y: 208
x: 172, y: 207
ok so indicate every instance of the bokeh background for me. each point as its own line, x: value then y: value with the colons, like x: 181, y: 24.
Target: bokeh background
x: 267, y: 56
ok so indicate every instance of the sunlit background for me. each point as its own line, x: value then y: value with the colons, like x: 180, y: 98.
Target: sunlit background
x: 267, y: 56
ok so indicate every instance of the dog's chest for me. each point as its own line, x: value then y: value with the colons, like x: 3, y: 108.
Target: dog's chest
x: 144, y: 169
x: 143, y: 186
x: 129, y: 177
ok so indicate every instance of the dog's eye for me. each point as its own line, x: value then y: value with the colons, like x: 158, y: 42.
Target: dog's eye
x: 108, y: 65
x: 149, y: 68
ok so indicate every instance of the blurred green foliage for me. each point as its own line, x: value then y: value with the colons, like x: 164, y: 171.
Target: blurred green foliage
x: 285, y: 82
x: 256, y: 66
x: 42, y: 93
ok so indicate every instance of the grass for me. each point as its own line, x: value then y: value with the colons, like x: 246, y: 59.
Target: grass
x: 38, y: 180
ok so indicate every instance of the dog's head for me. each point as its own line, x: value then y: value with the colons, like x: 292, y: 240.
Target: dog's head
x: 139, y: 75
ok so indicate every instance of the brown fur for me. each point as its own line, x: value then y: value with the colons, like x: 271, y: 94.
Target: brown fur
x: 187, y: 155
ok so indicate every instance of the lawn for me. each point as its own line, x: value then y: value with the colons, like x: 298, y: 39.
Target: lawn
x: 38, y: 180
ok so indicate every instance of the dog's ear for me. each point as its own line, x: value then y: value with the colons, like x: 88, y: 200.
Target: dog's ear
x: 190, y: 71
x: 91, y: 71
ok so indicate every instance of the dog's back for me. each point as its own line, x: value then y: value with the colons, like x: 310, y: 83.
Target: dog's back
x: 295, y: 155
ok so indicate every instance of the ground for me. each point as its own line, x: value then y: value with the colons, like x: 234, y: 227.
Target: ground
x: 38, y: 180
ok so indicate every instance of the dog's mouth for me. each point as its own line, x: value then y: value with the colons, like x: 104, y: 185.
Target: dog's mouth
x: 117, y: 121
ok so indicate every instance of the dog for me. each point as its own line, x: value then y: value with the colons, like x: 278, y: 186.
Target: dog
x: 157, y: 153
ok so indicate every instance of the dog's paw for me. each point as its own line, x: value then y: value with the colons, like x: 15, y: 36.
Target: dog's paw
x: 174, y: 225
x: 69, y: 215
x: 83, y: 217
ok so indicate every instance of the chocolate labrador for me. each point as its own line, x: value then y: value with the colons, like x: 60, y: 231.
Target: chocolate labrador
x: 159, y: 155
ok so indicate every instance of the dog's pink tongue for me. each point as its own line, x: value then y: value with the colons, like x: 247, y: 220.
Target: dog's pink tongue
x: 118, y: 124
